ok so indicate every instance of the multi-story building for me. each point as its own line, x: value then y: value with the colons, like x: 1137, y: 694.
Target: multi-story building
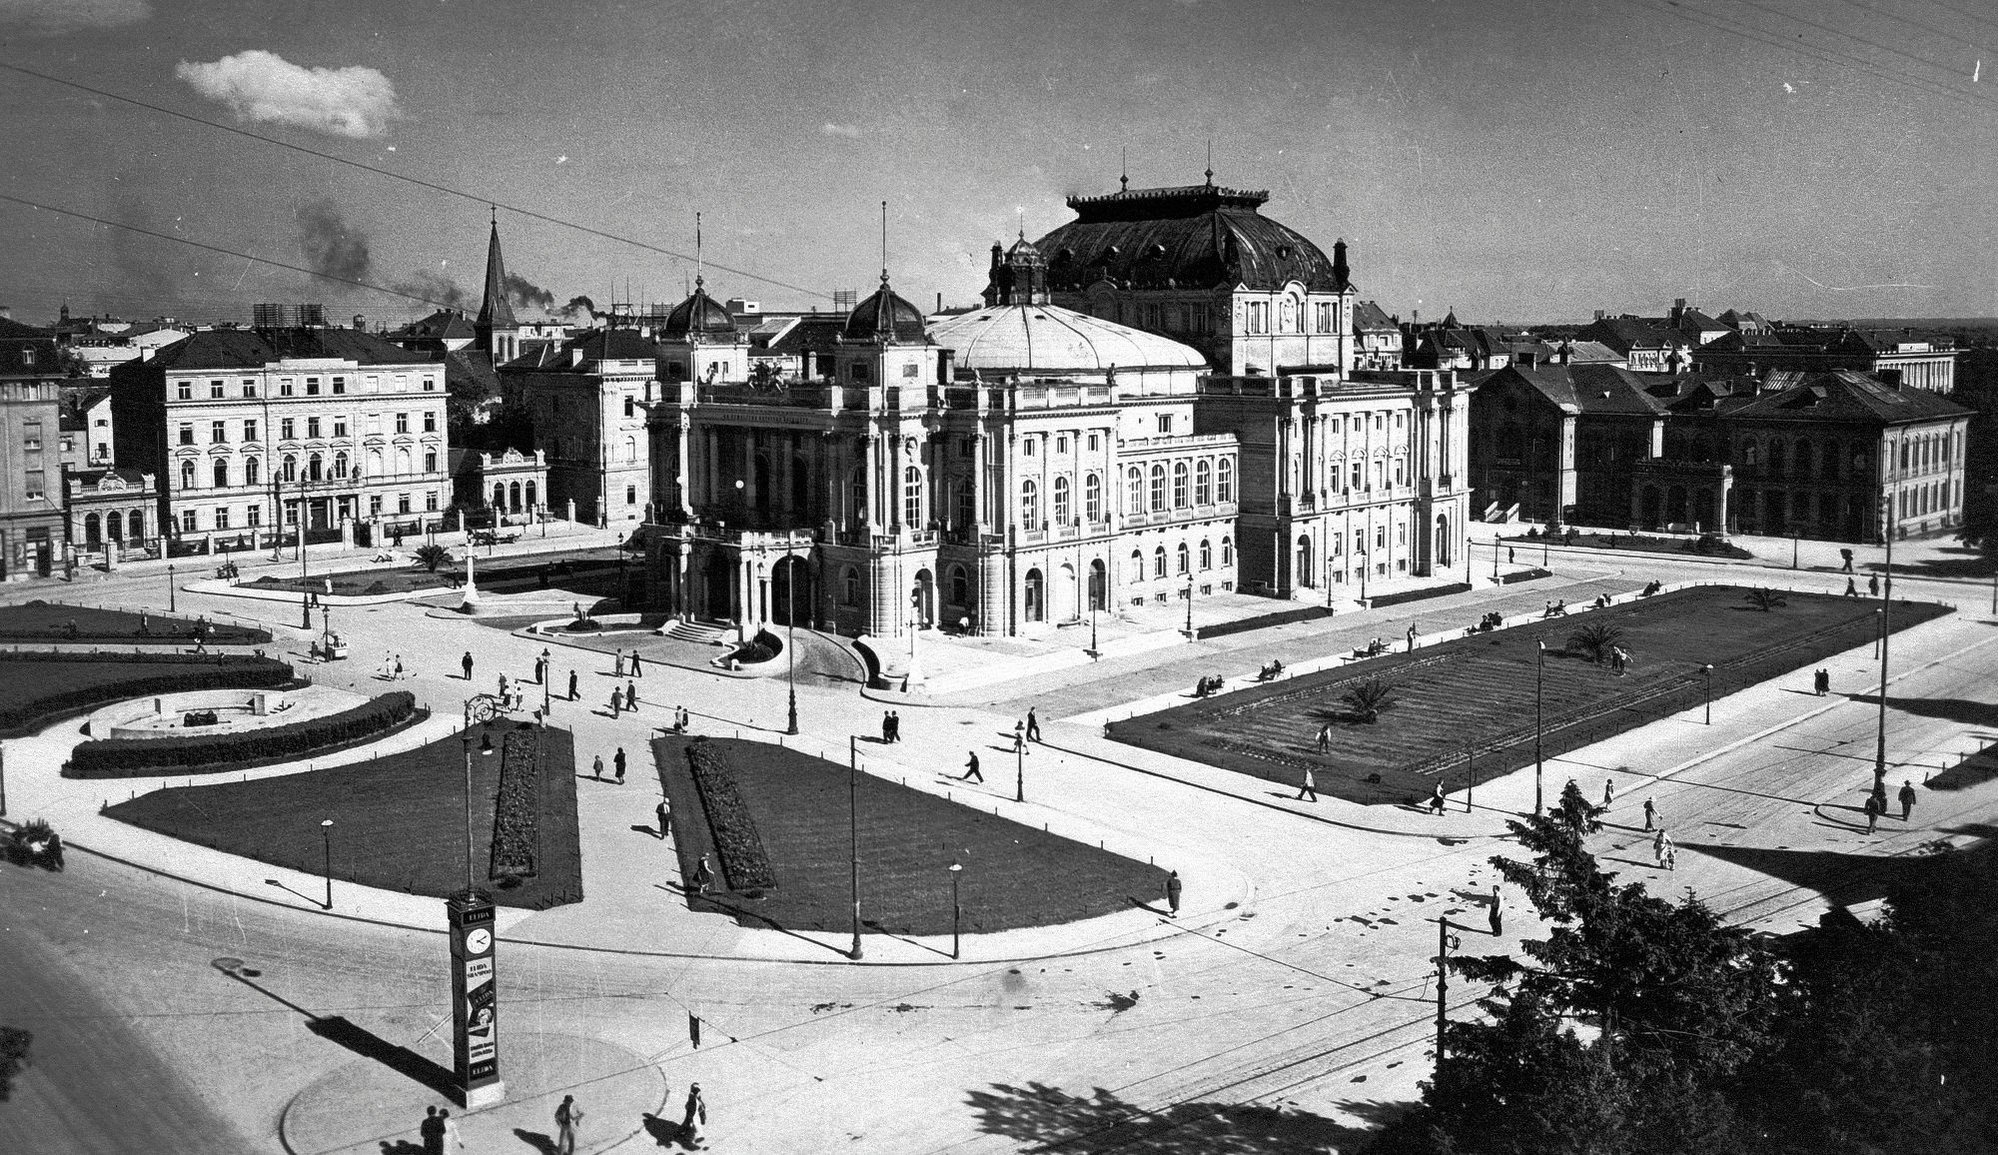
x: 111, y: 511
x: 585, y: 398
x: 1645, y: 347
x: 249, y: 429
x: 1923, y: 361
x: 31, y: 519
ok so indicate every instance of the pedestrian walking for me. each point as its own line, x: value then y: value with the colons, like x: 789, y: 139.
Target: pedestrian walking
x: 1873, y: 810
x: 1609, y: 793
x: 1907, y: 797
x: 630, y: 696
x: 1845, y: 555
x: 1661, y: 847
x: 617, y: 664
x: 664, y: 811
x: 704, y: 876
x: 1436, y: 799
x: 1873, y: 585
x: 894, y: 725
x: 696, y: 1120
x: 572, y: 686
x: 1172, y: 893
x: 1650, y: 814
x: 568, y: 1121
x: 1851, y: 588
x: 1325, y: 738
x: 597, y: 769
x: 1498, y: 909
x: 616, y: 701
x: 637, y: 667
x: 887, y: 726
x: 971, y: 770
x: 398, y: 669
x: 431, y: 1131
x: 1671, y: 855
x: 466, y: 662
x: 1033, y: 726
x: 453, y: 1141
x: 503, y: 686
x: 1310, y: 787
x: 618, y: 762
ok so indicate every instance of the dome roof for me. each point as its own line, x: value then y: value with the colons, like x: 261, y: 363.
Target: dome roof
x: 1051, y: 339
x: 884, y: 316
x: 698, y: 316
x: 1195, y: 237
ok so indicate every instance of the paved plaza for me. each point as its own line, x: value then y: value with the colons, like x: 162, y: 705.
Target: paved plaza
x: 1293, y: 995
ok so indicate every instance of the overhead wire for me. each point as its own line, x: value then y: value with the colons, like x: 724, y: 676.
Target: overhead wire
x: 1826, y: 28
x: 1912, y: 22
x: 419, y: 182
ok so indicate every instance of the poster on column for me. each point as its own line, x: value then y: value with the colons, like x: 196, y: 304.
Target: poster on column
x: 481, y: 1014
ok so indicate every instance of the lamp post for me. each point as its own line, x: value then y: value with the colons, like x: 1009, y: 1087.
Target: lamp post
x: 1497, y: 545
x: 1189, y: 608
x: 1363, y: 575
x: 1093, y: 651
x: 791, y: 638
x: 1707, y: 671
x: 1539, y: 722
x: 485, y: 750
x: 853, y: 833
x: 326, y: 836
x: 1878, y: 633
x: 171, y: 583
x: 1795, y: 535
x: 547, y: 671
x: 1886, y: 602
x: 1470, y: 768
x: 956, y: 908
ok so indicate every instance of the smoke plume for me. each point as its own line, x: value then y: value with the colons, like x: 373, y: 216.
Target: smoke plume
x: 525, y: 294
x: 435, y: 288
x: 330, y: 246
x: 578, y: 308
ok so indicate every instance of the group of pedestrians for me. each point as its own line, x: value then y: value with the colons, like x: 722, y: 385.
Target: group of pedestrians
x: 439, y: 1131
x: 891, y: 726
x: 1876, y: 803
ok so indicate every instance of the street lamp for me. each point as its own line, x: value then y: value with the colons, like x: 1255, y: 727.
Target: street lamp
x: 1019, y: 765
x: 326, y: 835
x: 791, y: 637
x: 485, y: 751
x: 1496, y: 546
x: 1878, y: 633
x: 1189, y: 608
x: 171, y: 583
x: 1363, y: 575
x: 853, y: 833
x: 1795, y: 534
x: 1539, y: 722
x: 1886, y: 602
x: 956, y: 908
x: 304, y: 595
x: 1708, y: 703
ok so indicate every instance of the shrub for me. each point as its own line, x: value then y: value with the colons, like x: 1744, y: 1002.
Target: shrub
x: 433, y: 556
x: 1369, y: 698
x: 71, y: 683
x: 1595, y: 640
x: 584, y: 626
x: 750, y: 653
x: 1766, y: 599
x: 127, y: 758
x: 737, y: 844
x: 199, y: 718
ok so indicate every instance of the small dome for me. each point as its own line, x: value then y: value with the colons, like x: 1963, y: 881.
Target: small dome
x: 698, y: 316
x: 884, y: 317
x: 1049, y: 339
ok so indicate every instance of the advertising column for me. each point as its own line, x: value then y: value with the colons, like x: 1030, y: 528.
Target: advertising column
x: 474, y: 1003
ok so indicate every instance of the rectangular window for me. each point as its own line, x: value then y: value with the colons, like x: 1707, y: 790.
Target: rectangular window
x: 253, y: 516
x: 1095, y: 442
x: 912, y: 370
x: 402, y: 423
x: 339, y: 427
x: 430, y: 384
x: 1259, y: 316
x: 287, y: 429
x: 859, y: 371
x: 402, y: 503
x: 374, y: 505
x: 36, y: 483
x: 250, y: 430
x: 401, y: 383
x: 312, y: 427
x: 215, y: 390
x: 222, y: 517
x: 1324, y: 316
x: 187, y: 433
x: 249, y: 388
x: 373, y: 382
x: 217, y: 432
x: 1027, y: 446
x: 1061, y: 443
x: 1165, y: 423
x: 629, y: 405
x: 183, y: 391
x: 31, y: 436
x: 188, y: 522
x: 284, y: 386
x: 339, y: 386
x: 312, y: 386
x: 430, y: 501
x: 430, y: 421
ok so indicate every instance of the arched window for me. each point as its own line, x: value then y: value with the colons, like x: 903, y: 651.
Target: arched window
x: 856, y: 484
x: 1304, y: 567
x: 1227, y: 551
x: 315, y: 467
x: 1182, y: 494
x: 1158, y: 489
x: 1206, y: 555
x: 289, y: 469
x: 187, y: 475
x: 219, y: 470
x: 960, y: 586
x: 340, y: 463
x: 251, y: 467
x: 114, y: 526
x: 1137, y: 565
x: 1062, y: 515
x: 1203, y: 482
x: 93, y: 531
x: 630, y: 449
x: 1224, y: 483
x: 430, y: 461
x: 499, y: 495
x: 402, y: 461
x: 1134, y: 496
x: 1158, y: 562
x: 912, y: 497
x: 135, y: 525
x: 531, y: 495
x: 1184, y: 557
x: 374, y: 463
x: 1030, y: 504
x: 1092, y: 498
x: 849, y: 587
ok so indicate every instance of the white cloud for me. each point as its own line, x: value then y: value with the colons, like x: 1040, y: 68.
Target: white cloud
x: 265, y: 87
x: 57, y: 17
x: 849, y: 131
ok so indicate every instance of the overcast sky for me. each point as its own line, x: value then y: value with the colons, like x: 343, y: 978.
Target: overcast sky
x: 1511, y: 160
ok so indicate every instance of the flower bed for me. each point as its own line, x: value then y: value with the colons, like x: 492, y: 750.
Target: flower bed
x: 132, y: 758
x: 516, y: 810
x: 42, y: 687
x: 744, y: 864
x: 40, y: 621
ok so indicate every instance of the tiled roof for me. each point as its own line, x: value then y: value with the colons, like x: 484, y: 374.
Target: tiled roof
x: 1626, y: 333
x: 596, y: 346
x: 1595, y: 389
x: 813, y: 333
x: 1196, y: 237
x: 254, y: 348
x: 443, y: 325
x: 1369, y: 317
x: 1845, y: 395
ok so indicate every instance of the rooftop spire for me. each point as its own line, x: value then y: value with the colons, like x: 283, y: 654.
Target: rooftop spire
x: 1124, y: 181
x: 699, y: 269
x: 1210, y: 163
x: 496, y: 312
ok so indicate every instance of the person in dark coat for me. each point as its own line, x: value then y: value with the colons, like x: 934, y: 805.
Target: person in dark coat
x: 1873, y: 809
x: 1172, y: 886
x: 1033, y: 726
x: 1907, y: 797
x: 466, y: 662
x: 664, y: 812
x: 637, y: 667
x: 630, y: 696
x: 1436, y: 799
x: 617, y: 764
x: 971, y: 770
x: 572, y: 685
x: 431, y: 1131
x: 887, y: 726
x: 1650, y: 814
x: 1498, y: 910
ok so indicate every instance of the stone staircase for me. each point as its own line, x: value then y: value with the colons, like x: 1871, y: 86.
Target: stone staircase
x: 699, y: 633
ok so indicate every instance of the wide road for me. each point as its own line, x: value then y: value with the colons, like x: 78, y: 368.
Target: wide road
x: 1281, y: 1023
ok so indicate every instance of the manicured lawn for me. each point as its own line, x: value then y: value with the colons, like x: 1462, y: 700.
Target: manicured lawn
x: 1014, y: 875
x: 39, y: 621
x: 1635, y: 543
x: 1479, y: 693
x: 581, y: 571
x: 398, y: 822
x: 38, y: 688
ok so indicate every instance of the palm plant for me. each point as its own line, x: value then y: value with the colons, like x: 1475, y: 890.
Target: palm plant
x: 1369, y: 698
x: 1595, y: 640
x: 433, y: 556
x: 1766, y: 599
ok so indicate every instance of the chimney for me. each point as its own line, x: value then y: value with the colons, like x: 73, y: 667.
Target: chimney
x: 1566, y: 352
x: 1599, y: 314
x: 360, y: 323
x: 1341, y: 272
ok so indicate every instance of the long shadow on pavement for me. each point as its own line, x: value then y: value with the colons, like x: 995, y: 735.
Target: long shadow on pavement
x: 1046, y: 1118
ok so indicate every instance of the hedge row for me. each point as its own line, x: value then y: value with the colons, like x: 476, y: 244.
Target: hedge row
x: 126, y: 758
x: 57, y: 695
x: 744, y: 864
x: 517, y: 810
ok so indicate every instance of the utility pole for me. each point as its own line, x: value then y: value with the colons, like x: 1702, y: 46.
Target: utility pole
x: 1886, y: 612
x: 1442, y: 983
x: 853, y: 832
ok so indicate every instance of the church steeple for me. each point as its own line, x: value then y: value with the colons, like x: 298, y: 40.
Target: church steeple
x: 496, y: 327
